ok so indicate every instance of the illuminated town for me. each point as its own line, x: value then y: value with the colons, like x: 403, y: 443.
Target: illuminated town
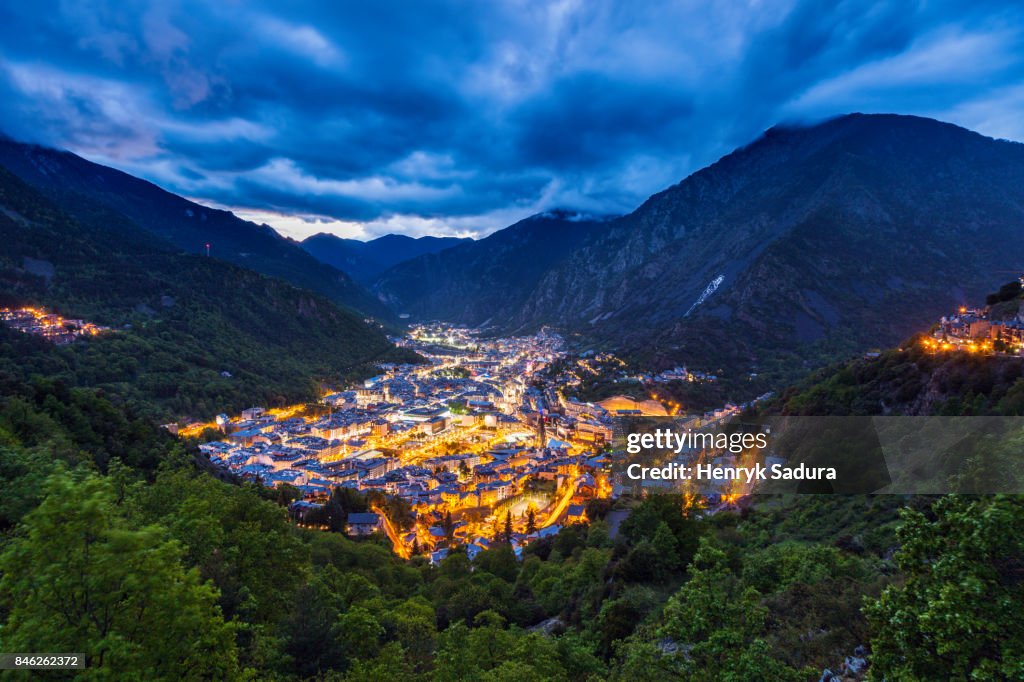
x: 50, y: 326
x: 481, y: 442
x: 473, y: 441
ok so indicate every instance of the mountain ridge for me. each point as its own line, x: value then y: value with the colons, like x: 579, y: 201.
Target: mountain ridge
x: 447, y: 284
x: 365, y: 260
x: 71, y: 181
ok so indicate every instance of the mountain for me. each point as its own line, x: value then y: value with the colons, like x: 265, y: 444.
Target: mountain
x: 364, y: 261
x: 809, y: 241
x: 194, y: 335
x: 77, y: 185
x: 486, y: 281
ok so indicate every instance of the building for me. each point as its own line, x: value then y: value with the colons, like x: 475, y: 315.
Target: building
x: 361, y: 524
x: 252, y: 413
x: 576, y: 513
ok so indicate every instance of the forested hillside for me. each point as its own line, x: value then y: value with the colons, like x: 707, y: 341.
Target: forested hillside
x: 83, y: 188
x: 224, y: 586
x: 194, y: 335
x: 488, y: 280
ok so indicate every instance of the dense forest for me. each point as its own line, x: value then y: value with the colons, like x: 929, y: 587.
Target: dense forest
x: 121, y: 545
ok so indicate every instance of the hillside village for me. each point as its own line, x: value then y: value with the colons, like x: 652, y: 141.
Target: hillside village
x: 51, y: 326
x: 997, y: 328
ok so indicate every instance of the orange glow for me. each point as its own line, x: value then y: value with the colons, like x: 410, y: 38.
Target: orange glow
x: 397, y: 544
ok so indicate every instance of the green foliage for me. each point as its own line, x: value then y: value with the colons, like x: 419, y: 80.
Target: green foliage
x: 663, y: 540
x: 81, y: 426
x: 489, y: 651
x: 957, y: 614
x: 720, y: 623
x: 80, y: 577
x: 243, y: 544
x: 911, y: 382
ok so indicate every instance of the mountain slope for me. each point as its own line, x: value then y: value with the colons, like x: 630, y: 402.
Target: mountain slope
x: 191, y: 318
x: 809, y: 241
x: 486, y: 281
x: 364, y: 261
x: 76, y: 184
x: 858, y: 230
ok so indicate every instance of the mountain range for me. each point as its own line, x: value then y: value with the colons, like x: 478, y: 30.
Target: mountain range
x: 487, y: 281
x: 364, y: 261
x: 811, y: 241
x: 846, y: 234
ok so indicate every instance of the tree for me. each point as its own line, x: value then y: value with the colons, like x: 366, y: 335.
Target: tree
x: 721, y: 623
x: 500, y: 561
x: 79, y: 577
x: 286, y: 494
x: 413, y: 624
x: 666, y: 551
x: 243, y: 544
x: 958, y: 613
x: 655, y: 510
x: 360, y: 633
x: 531, y: 521
x: 342, y: 502
x: 489, y: 651
x: 313, y: 630
x: 390, y: 664
x: 508, y: 526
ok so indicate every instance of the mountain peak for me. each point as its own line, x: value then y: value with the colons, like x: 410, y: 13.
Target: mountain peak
x: 867, y: 129
x: 858, y: 121
x: 570, y: 215
x: 850, y: 231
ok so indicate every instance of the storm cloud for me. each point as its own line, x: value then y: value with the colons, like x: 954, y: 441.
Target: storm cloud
x: 458, y: 117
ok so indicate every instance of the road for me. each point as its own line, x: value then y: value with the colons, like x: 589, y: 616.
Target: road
x: 562, y: 504
x: 393, y: 534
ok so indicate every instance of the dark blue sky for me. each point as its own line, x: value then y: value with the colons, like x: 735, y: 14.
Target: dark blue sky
x: 459, y: 118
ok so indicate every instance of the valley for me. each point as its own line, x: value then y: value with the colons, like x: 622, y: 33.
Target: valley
x: 512, y: 341
x: 368, y: 460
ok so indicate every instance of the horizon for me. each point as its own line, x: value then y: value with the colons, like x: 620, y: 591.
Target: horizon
x: 324, y: 119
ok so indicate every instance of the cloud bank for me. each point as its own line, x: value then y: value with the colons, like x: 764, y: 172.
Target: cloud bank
x: 460, y: 118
